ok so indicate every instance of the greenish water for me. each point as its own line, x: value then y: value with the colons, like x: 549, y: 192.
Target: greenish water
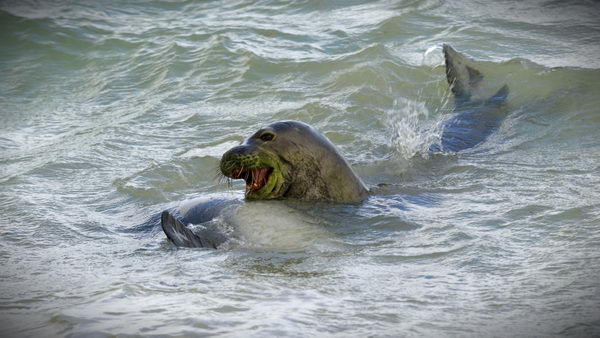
x: 111, y: 112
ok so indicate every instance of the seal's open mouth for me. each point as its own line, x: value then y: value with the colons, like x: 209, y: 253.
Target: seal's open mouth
x: 255, y: 178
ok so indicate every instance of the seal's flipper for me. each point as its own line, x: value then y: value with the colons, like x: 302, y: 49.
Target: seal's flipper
x: 466, y: 81
x: 179, y: 234
x: 477, y: 114
x: 462, y: 77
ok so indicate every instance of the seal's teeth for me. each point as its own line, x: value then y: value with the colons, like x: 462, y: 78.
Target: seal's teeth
x: 255, y: 179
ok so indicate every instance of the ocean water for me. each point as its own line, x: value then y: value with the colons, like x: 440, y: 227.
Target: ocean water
x: 112, y: 111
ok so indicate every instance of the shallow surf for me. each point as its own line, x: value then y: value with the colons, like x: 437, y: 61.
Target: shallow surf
x: 112, y: 113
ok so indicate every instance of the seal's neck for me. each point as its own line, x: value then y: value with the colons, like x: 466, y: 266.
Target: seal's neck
x: 331, y: 180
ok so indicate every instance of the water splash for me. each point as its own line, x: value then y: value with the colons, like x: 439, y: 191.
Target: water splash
x: 433, y: 56
x: 408, y: 137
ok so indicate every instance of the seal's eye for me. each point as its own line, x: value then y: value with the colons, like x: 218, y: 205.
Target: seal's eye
x: 267, y: 136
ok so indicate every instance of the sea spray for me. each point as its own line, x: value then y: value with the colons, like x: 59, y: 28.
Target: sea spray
x: 408, y: 137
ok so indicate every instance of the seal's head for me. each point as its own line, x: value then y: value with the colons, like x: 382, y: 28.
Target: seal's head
x: 292, y: 160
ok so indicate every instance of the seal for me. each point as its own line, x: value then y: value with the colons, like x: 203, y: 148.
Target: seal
x: 290, y: 160
x: 284, y: 160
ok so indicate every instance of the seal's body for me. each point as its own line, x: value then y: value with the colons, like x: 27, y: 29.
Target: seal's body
x: 291, y: 160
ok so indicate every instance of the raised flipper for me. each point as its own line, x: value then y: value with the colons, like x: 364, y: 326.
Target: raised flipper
x: 466, y: 82
x: 476, y: 115
x: 180, y: 234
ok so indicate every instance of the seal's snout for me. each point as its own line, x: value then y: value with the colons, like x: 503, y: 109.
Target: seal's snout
x: 244, y: 162
x: 238, y: 157
x: 242, y: 150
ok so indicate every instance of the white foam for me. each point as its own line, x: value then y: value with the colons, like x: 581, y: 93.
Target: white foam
x: 407, y: 137
x: 433, y: 56
x: 271, y: 225
x: 215, y: 151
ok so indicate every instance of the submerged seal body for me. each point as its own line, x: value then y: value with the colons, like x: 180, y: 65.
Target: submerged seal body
x: 477, y: 114
x: 291, y: 160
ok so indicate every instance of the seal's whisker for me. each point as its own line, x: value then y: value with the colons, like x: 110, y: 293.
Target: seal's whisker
x: 218, y: 175
x: 229, y: 165
x: 220, y: 178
